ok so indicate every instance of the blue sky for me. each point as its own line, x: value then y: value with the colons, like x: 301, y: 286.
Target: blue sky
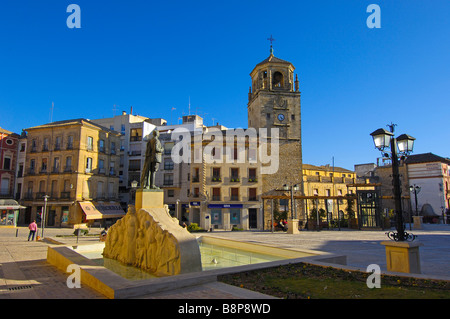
x: 156, y: 55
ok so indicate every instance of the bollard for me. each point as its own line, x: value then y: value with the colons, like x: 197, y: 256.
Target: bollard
x: 17, y: 232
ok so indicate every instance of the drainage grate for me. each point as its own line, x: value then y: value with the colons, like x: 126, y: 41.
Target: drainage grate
x: 20, y: 287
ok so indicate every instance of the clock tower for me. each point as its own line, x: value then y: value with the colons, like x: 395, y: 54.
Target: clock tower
x: 274, y: 98
x: 274, y: 102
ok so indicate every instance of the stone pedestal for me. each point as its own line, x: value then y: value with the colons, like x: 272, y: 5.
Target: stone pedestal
x: 402, y: 256
x: 417, y: 222
x: 149, y: 238
x: 149, y: 198
x: 293, y: 226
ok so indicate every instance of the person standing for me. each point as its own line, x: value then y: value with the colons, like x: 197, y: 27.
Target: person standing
x: 33, y: 228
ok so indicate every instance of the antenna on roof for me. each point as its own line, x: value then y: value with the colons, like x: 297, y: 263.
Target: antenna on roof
x: 189, y: 111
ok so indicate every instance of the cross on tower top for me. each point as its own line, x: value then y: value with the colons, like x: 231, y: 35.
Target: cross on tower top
x: 271, y: 39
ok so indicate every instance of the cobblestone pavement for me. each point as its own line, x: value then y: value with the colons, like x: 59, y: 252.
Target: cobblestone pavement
x: 25, y: 273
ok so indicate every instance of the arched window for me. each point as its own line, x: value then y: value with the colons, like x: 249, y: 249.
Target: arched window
x: 277, y: 80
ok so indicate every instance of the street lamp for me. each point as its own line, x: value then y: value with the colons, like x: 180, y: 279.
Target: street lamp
x: 43, y: 215
x: 402, y: 145
x: 416, y: 189
x: 291, y: 189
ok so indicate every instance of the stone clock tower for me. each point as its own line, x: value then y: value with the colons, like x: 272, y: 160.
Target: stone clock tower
x: 274, y: 102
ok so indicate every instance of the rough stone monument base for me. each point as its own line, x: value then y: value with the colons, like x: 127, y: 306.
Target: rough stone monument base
x: 403, y: 256
x: 149, y: 238
x: 293, y: 226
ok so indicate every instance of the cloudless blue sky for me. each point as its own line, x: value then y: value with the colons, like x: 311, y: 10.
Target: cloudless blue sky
x: 155, y: 55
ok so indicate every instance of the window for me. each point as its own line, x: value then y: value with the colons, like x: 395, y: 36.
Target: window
x: 235, y: 216
x: 22, y: 147
x: 234, y: 175
x: 216, y: 194
x: 68, y: 167
x: 252, y: 154
x: 45, y: 146
x: 113, y: 148
x: 327, y: 192
x: 20, y: 171
x: 122, y: 128
x: 196, y: 192
x: 88, y: 164
x: 135, y: 134
x: 58, y: 143
x: 252, y: 194
x: 56, y: 165
x: 216, y: 174
x: 101, y: 146
x: 168, y: 179
x: 44, y: 165
x: 315, y: 192
x: 112, y: 171
x: 70, y: 142
x: 7, y: 162
x: 100, y: 193
x: 4, y: 187
x: 90, y: 143
x: 32, y: 166
x: 170, y: 193
x: 234, y: 194
x: 252, y: 175
x: 278, y: 81
x: 54, y: 189
x: 134, y: 165
x: 101, y: 166
x: 33, y: 145
x: 168, y: 148
x: 168, y: 164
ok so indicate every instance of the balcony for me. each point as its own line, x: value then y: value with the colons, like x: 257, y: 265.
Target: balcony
x: 65, y: 195
x: 216, y: 198
x: 67, y: 169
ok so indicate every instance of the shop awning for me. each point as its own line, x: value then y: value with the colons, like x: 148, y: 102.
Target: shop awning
x: 101, y: 210
x: 110, y: 210
x: 90, y: 211
x: 10, y: 204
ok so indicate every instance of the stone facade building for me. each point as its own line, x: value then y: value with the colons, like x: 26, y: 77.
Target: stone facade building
x: 274, y: 103
x: 71, y: 168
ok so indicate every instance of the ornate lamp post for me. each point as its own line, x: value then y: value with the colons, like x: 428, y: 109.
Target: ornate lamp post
x: 416, y: 190
x: 402, y: 145
x: 292, y: 189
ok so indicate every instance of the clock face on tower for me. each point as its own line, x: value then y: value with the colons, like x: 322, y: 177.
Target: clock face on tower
x: 281, y: 117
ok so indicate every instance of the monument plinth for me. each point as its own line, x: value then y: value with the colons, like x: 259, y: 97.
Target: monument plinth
x: 150, y: 239
x: 149, y: 198
x: 403, y: 256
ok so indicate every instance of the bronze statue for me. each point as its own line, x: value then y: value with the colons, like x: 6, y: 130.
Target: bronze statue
x: 153, y: 156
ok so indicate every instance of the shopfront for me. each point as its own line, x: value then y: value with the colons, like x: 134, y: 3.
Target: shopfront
x: 102, y: 213
x: 9, y: 212
x: 225, y: 216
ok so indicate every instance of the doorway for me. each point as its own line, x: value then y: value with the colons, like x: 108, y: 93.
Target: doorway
x: 369, y: 209
x: 252, y: 218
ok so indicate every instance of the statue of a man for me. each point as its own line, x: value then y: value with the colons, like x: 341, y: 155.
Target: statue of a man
x: 153, y: 156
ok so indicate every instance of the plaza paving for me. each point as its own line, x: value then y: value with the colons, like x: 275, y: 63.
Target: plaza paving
x: 24, y: 272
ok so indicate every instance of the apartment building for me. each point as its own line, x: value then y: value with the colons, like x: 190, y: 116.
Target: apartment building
x: 71, y: 169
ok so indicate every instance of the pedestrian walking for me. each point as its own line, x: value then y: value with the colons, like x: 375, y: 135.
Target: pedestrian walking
x: 33, y: 228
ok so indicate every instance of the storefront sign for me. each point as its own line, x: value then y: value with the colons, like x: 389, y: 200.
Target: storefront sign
x: 225, y: 206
